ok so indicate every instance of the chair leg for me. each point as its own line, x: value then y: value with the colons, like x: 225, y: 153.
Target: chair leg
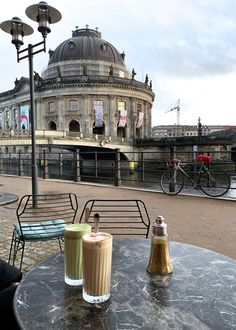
x: 22, y: 243
x: 12, y: 243
x: 60, y: 239
x: 16, y: 245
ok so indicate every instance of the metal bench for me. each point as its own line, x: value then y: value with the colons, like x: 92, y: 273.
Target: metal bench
x: 45, y: 221
x: 118, y: 217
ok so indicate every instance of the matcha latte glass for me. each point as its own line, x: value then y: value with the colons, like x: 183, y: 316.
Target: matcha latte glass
x: 73, y: 252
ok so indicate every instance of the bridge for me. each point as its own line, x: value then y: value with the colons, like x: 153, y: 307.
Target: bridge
x: 75, y: 141
x: 63, y: 139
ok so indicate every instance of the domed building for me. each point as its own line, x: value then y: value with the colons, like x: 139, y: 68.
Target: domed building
x: 85, y: 89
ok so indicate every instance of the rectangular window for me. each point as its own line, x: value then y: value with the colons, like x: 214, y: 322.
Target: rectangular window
x: 98, y: 104
x: 73, y: 105
x: 51, y: 106
x: 121, y: 106
x: 15, y: 113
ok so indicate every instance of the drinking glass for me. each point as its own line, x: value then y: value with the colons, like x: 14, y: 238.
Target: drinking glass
x: 73, y: 270
x: 97, y: 262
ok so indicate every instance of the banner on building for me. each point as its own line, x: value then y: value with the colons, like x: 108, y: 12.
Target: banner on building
x: 24, y: 117
x: 122, y: 118
x: 140, y: 120
x: 98, y: 116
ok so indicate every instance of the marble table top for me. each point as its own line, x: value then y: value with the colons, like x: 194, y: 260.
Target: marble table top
x: 199, y: 294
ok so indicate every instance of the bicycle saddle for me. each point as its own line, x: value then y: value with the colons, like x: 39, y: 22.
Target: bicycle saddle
x: 174, y: 161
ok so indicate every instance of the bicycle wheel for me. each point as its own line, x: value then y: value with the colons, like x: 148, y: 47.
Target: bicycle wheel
x: 215, y: 183
x: 172, y: 182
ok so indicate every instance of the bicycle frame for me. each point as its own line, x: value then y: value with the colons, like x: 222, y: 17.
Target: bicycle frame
x: 202, y: 169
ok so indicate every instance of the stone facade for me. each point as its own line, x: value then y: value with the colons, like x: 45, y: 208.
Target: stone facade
x: 85, y: 88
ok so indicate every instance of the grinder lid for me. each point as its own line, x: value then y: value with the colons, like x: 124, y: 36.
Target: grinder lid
x: 160, y: 227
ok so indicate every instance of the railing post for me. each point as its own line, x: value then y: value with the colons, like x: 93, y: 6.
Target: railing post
x: 117, y: 168
x: 77, y: 166
x: 1, y: 162
x: 142, y: 167
x: 60, y: 164
x: 20, y: 165
x: 172, y: 152
x: 172, y: 156
x: 96, y: 163
x: 45, y: 165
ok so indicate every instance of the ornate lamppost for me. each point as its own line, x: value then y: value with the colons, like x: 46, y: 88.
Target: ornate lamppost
x: 44, y: 15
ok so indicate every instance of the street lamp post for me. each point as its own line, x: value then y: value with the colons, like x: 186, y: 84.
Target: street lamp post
x: 44, y: 15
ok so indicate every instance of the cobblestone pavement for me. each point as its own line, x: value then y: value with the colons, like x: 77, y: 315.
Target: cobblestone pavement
x: 200, y: 221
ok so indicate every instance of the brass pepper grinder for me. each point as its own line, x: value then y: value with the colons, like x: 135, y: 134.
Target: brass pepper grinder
x: 159, y: 262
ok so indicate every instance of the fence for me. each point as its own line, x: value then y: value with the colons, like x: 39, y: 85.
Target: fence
x: 134, y: 169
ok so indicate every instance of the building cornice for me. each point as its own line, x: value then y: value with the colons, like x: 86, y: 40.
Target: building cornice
x: 110, y: 83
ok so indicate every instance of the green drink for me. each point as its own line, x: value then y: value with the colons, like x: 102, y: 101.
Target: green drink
x: 73, y: 252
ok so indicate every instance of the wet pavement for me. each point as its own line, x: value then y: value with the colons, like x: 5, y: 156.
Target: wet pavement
x: 200, y: 221
x: 6, y: 198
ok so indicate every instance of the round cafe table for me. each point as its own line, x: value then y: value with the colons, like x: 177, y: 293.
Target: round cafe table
x: 199, y: 294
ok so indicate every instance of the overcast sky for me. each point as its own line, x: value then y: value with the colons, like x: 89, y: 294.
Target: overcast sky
x: 187, y: 47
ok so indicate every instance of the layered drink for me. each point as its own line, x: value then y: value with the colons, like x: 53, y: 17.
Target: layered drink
x: 97, y: 262
x: 73, y: 252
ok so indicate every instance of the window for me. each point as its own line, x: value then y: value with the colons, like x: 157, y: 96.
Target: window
x: 121, y: 105
x: 15, y: 113
x: 51, y: 106
x: 7, y: 115
x: 73, y: 105
x: 104, y: 46
x: 71, y: 45
x: 98, y: 104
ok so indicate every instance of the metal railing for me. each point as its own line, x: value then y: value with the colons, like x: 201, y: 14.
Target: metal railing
x: 134, y: 169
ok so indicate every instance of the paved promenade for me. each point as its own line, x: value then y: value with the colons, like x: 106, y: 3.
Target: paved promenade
x: 201, y: 221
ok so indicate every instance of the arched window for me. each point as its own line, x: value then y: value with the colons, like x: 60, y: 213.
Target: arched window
x: 52, y: 126
x: 74, y: 126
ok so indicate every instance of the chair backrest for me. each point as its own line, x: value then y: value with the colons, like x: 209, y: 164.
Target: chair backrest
x: 118, y: 217
x: 51, y: 213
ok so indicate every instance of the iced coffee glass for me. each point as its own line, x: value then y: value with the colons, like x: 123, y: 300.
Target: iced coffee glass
x: 97, y: 260
x: 73, y: 253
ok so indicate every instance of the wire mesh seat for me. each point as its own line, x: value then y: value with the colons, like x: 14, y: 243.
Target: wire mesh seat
x: 44, y: 221
x: 118, y: 217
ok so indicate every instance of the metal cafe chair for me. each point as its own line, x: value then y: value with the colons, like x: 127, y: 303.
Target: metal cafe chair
x: 45, y: 221
x: 118, y: 217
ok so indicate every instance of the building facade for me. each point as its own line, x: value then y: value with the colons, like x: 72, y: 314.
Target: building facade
x: 162, y: 131
x: 85, y: 88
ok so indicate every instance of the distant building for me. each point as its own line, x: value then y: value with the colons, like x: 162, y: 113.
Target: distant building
x: 85, y: 88
x: 161, y: 131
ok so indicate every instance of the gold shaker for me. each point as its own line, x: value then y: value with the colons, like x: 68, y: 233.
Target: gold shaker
x: 159, y: 261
